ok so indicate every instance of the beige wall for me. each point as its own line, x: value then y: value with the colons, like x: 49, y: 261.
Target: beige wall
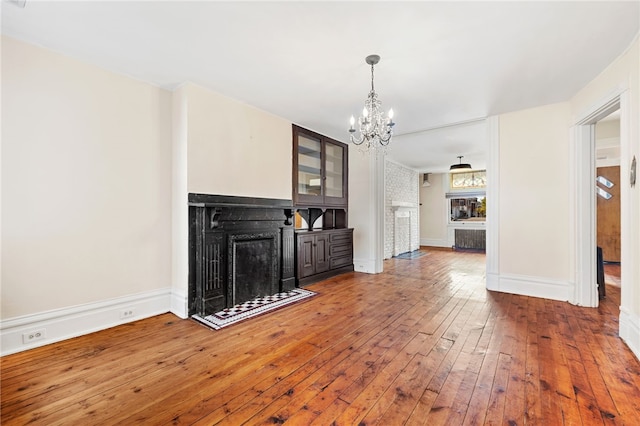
x: 608, y: 129
x: 236, y: 149
x: 96, y: 168
x: 221, y: 147
x: 433, y: 211
x: 533, y: 191
x: 536, y: 254
x: 85, y: 183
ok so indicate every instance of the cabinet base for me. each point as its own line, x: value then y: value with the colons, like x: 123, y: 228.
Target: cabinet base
x: 301, y: 282
x: 287, y: 284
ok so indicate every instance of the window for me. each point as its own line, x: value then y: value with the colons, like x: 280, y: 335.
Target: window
x: 465, y: 180
x: 468, y: 209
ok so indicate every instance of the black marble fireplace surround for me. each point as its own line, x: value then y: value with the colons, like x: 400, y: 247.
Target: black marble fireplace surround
x: 239, y: 248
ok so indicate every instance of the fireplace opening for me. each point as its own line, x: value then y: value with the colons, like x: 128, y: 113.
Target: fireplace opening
x: 254, y: 264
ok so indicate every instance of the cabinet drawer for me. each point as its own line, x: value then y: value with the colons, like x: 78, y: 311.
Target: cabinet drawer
x: 340, y: 250
x: 337, y: 262
x: 341, y: 237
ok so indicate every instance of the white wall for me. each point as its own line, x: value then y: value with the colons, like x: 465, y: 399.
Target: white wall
x: 433, y: 211
x: 179, y: 200
x: 366, y: 210
x: 85, y: 192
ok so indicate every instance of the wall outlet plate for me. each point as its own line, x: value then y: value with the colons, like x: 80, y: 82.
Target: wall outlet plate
x: 127, y: 313
x: 34, y: 335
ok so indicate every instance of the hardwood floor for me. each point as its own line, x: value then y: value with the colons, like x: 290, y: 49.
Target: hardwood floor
x: 612, y: 274
x: 422, y: 343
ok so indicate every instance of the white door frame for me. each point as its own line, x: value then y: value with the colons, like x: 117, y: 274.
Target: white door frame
x: 493, y: 204
x: 582, y: 195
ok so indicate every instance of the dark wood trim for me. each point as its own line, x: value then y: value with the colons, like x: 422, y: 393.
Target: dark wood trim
x: 209, y: 200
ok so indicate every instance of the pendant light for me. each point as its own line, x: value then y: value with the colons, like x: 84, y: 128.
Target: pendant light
x: 460, y: 166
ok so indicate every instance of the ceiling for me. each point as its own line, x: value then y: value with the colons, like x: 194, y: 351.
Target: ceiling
x: 444, y: 65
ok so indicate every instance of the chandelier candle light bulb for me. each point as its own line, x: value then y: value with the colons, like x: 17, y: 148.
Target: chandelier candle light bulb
x: 375, y: 129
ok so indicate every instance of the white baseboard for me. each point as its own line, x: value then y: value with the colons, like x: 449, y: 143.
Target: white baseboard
x: 61, y: 324
x: 434, y: 243
x: 531, y: 286
x: 630, y: 330
x: 493, y: 281
x: 365, y: 265
x: 179, y: 305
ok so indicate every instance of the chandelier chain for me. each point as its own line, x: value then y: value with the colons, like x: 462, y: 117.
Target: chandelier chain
x: 372, y: 90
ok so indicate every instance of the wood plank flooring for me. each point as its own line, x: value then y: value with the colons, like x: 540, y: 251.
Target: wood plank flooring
x: 422, y: 343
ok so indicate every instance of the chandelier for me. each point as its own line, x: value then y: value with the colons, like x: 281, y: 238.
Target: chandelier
x: 375, y: 129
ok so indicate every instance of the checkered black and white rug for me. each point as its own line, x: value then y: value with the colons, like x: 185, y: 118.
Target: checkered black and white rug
x: 252, y: 308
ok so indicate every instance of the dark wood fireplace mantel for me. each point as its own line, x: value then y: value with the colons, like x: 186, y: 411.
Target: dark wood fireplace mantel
x: 239, y: 248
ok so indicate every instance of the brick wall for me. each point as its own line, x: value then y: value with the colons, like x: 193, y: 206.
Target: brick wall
x: 401, y: 184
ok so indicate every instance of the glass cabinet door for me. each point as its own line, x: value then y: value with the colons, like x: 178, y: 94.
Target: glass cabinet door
x: 320, y: 170
x: 309, y: 166
x: 334, y: 170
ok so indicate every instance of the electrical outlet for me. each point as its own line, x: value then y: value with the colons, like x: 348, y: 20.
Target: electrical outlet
x: 34, y: 335
x: 126, y: 313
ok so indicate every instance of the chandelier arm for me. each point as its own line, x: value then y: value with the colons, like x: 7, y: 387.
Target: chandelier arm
x: 385, y: 140
x: 357, y: 141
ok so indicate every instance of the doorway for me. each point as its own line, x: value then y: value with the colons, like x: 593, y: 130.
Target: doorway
x: 608, y: 200
x: 583, y: 203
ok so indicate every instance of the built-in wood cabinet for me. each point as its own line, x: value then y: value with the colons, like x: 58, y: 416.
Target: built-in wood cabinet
x: 324, y: 243
x: 323, y: 253
x: 320, y: 169
x: 313, y: 254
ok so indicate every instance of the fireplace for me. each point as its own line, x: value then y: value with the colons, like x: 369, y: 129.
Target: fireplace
x: 404, y: 220
x: 239, y: 248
